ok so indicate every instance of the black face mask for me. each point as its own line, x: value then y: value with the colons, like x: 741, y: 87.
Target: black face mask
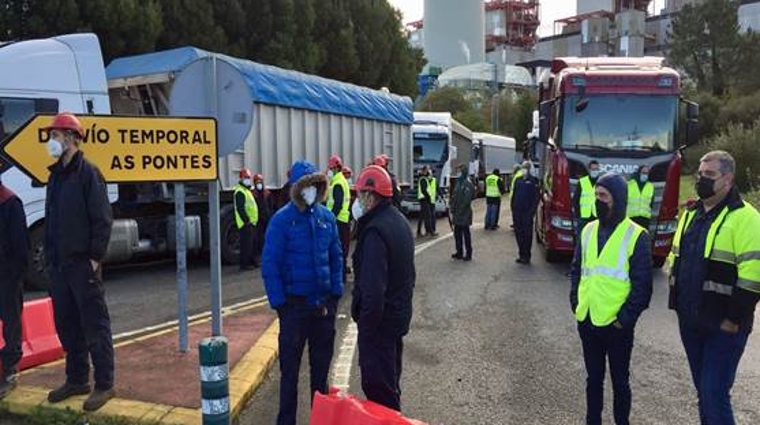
x: 603, y: 211
x: 705, y: 187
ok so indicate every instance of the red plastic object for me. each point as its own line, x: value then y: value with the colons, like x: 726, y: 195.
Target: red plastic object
x: 39, y: 339
x: 337, y: 409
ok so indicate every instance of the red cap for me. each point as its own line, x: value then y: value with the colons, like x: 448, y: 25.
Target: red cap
x: 245, y: 174
x: 334, y: 162
x: 66, y: 121
x: 381, y: 160
x: 375, y: 179
x: 347, y: 172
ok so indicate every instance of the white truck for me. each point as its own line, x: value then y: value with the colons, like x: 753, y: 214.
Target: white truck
x: 283, y: 116
x: 442, y: 143
x: 489, y: 152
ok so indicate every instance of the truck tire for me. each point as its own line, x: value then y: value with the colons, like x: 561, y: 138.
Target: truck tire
x: 658, y: 262
x: 230, y: 239
x: 37, y: 277
x: 553, y: 256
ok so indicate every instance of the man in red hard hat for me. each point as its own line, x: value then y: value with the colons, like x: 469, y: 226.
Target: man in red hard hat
x: 264, y: 203
x: 246, y: 219
x: 384, y: 285
x: 384, y: 161
x: 339, y: 202
x: 77, y: 232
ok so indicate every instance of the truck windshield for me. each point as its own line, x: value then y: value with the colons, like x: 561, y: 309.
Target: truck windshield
x: 430, y: 148
x: 624, y: 122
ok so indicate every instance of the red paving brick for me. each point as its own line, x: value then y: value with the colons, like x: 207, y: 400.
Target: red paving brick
x: 154, y: 371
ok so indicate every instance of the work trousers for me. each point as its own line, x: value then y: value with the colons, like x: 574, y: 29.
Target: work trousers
x: 247, y: 241
x: 11, y: 306
x: 83, y: 323
x: 600, y: 345
x: 380, y: 362
x: 713, y: 357
x: 344, y: 231
x: 300, y: 323
x: 427, y: 217
x: 492, y: 213
x: 524, y: 234
x: 462, y: 237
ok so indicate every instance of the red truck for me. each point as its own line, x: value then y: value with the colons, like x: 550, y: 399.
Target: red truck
x: 624, y: 113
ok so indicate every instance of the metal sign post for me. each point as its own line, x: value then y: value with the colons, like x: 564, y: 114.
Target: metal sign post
x: 181, y: 235
x: 215, y: 227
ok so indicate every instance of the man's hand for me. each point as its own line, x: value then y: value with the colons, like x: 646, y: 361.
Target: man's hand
x: 94, y: 264
x: 729, y: 326
x: 617, y: 325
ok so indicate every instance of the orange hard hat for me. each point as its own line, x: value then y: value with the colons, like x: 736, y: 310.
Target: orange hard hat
x: 375, y: 179
x: 258, y: 177
x: 66, y: 121
x: 245, y: 174
x: 334, y: 162
x: 347, y: 172
x: 381, y: 160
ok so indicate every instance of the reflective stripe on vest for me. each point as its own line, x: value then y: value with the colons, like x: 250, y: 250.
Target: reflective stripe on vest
x: 431, y: 188
x: 340, y: 180
x: 492, y: 186
x: 588, y: 198
x: 251, y: 209
x: 640, y: 201
x: 605, y: 282
x: 518, y: 174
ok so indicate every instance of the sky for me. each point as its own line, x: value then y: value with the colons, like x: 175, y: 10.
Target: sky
x: 551, y: 10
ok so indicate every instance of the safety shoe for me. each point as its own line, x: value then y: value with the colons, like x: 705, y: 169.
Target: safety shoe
x: 8, y: 384
x: 456, y: 256
x: 467, y: 258
x: 98, y: 399
x: 67, y: 391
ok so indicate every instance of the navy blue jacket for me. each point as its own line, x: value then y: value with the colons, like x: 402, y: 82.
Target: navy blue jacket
x: 640, y: 262
x: 385, y: 274
x: 525, y: 199
x: 14, y: 240
x: 302, y: 253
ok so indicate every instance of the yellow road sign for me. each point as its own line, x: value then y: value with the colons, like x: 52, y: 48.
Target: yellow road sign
x: 126, y: 149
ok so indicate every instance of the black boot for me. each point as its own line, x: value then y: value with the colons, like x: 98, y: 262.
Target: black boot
x: 8, y: 383
x: 67, y: 391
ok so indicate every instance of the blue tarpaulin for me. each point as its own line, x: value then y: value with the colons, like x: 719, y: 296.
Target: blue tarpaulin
x: 276, y: 86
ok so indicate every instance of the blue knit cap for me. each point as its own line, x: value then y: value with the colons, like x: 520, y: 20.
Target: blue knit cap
x: 301, y: 169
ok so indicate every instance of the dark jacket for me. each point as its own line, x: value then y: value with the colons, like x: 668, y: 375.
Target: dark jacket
x: 302, y: 254
x: 525, y: 199
x: 264, y: 203
x: 385, y: 274
x: 14, y: 240
x: 77, y: 213
x: 461, y: 202
x: 640, y: 262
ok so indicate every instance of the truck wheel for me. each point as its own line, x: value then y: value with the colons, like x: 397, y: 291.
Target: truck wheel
x: 37, y: 276
x: 658, y: 262
x: 230, y: 239
x: 553, y: 256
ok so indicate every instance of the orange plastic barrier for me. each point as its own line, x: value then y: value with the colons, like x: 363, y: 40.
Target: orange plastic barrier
x: 39, y: 339
x: 335, y: 409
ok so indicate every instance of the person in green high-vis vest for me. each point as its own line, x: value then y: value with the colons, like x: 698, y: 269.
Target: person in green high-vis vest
x: 494, y: 191
x: 584, y: 208
x: 611, y: 285
x: 640, y: 197
x: 339, y: 202
x: 246, y: 219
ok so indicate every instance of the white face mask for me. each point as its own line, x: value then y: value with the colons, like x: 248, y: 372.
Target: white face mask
x: 309, y: 195
x: 55, y: 148
x: 259, y: 186
x: 247, y: 182
x: 330, y: 174
x: 357, y: 209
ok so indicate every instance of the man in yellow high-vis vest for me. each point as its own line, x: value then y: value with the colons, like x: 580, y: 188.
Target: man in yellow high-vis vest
x: 715, y: 283
x: 584, y: 208
x: 339, y: 202
x: 640, y: 197
x: 246, y: 219
x: 427, y: 191
x: 611, y: 285
x: 494, y: 191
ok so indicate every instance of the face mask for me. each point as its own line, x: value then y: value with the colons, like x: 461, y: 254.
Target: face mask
x: 55, y: 148
x: 247, y: 182
x: 330, y: 174
x: 593, y: 174
x: 259, y: 186
x: 309, y: 195
x: 644, y: 178
x: 602, y: 210
x: 705, y: 187
x: 534, y: 172
x: 357, y: 209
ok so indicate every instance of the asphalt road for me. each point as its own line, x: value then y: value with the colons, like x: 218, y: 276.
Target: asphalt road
x: 494, y: 342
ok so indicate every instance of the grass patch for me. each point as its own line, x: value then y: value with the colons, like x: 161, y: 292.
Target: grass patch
x: 686, y: 190
x: 47, y: 416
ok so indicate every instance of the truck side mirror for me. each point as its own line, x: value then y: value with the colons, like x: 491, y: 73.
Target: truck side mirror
x: 545, y: 110
x: 692, y: 123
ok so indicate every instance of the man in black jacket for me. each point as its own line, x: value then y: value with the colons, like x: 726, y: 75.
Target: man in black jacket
x: 14, y: 259
x: 77, y: 231
x: 384, y: 285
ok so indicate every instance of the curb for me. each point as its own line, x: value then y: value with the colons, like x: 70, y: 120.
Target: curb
x: 245, y: 379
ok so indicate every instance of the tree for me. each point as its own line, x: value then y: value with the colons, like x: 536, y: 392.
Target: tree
x: 334, y: 32
x: 25, y: 19
x: 191, y: 22
x: 124, y: 27
x: 706, y: 43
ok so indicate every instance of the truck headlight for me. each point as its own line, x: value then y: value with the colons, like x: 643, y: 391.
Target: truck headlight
x: 562, y: 223
x: 666, y: 227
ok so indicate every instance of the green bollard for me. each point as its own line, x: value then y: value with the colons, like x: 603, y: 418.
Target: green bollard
x: 215, y: 381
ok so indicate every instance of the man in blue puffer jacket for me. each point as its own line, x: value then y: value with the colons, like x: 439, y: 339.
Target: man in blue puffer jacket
x: 303, y: 276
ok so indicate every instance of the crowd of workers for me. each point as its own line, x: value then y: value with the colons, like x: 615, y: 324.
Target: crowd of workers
x: 302, y: 246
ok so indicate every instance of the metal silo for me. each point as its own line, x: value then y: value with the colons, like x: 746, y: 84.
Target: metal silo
x: 454, y: 32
